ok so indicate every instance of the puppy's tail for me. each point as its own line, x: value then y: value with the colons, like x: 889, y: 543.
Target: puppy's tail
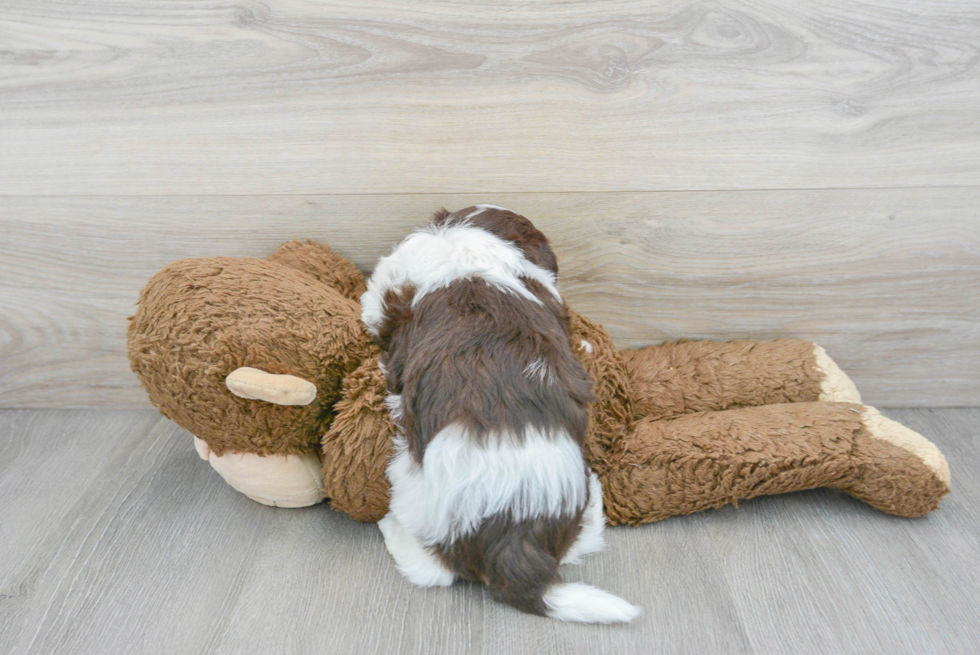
x: 526, y: 577
x: 575, y: 601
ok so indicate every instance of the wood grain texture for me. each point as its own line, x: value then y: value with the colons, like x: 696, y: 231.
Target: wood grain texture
x: 116, y: 537
x: 887, y: 281
x: 325, y: 96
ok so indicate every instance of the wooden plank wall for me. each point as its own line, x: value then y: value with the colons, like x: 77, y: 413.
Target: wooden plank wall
x: 705, y: 170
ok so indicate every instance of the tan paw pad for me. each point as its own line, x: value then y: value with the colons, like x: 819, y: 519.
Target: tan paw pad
x: 897, y: 434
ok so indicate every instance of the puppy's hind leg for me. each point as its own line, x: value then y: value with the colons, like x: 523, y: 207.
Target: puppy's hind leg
x: 589, y: 539
x: 413, y: 560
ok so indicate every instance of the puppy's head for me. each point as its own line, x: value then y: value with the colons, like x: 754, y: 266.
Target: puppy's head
x: 507, y: 225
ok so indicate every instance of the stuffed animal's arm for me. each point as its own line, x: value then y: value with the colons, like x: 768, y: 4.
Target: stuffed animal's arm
x: 357, y: 447
x: 256, y: 384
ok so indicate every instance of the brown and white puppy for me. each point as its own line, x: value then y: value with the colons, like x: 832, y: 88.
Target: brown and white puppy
x: 488, y: 480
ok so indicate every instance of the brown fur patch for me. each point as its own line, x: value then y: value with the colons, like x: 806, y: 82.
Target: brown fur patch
x: 517, y: 560
x: 682, y: 377
x: 466, y: 354
x: 710, y: 459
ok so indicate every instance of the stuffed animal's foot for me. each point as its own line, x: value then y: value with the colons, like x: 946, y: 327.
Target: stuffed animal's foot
x: 277, y: 480
x: 907, y: 439
x: 835, y: 386
x: 898, y: 470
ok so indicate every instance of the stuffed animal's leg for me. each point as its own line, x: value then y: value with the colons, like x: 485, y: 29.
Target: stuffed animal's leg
x: 706, y: 460
x: 696, y: 376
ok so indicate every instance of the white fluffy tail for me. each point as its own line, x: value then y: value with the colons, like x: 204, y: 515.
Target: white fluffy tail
x: 584, y: 603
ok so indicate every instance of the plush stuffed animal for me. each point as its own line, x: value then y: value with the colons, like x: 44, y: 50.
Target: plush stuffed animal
x: 267, y: 364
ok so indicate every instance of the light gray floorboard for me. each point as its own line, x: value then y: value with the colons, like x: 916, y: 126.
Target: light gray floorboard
x: 115, y: 537
x: 819, y: 572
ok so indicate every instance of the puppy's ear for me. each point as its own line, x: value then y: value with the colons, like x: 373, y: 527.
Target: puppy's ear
x: 539, y: 252
x: 397, y: 311
x: 532, y: 241
x: 397, y: 314
x: 511, y: 226
x: 440, y: 217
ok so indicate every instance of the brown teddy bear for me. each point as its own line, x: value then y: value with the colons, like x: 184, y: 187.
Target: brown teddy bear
x: 267, y: 363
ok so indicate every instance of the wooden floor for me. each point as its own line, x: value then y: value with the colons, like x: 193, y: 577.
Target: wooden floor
x: 116, y: 538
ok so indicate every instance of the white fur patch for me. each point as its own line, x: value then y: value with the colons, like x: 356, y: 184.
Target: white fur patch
x: 460, y: 483
x: 434, y: 257
x: 586, y: 346
x: 421, y: 567
x: 538, y: 369
x: 394, y: 403
x: 585, y: 604
x: 590, y: 539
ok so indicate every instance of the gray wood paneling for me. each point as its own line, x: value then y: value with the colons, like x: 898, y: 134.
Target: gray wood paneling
x: 385, y: 96
x: 117, y: 538
x: 888, y: 282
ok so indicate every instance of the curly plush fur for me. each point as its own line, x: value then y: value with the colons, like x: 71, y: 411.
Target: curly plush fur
x: 676, y: 428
